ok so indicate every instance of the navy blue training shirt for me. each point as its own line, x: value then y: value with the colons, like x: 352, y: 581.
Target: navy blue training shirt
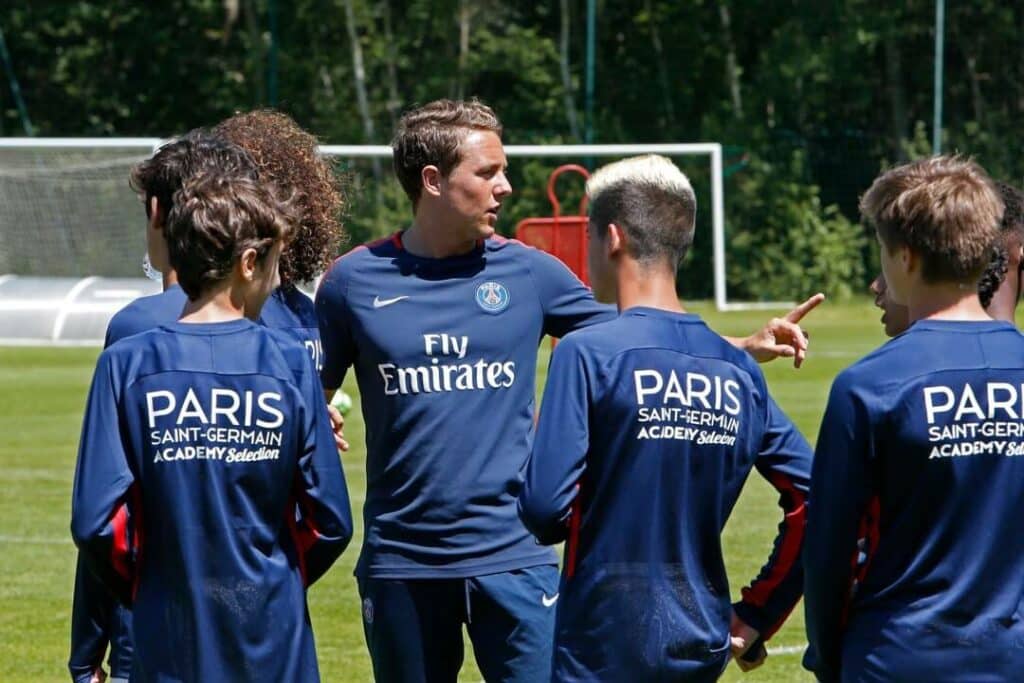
x: 649, y: 427
x: 96, y: 617
x: 445, y: 353
x: 209, y: 494
x: 914, y: 558
x: 289, y: 309
x: 145, y: 313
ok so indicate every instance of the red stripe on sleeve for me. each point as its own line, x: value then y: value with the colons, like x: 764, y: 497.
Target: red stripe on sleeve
x: 304, y: 531
x: 867, y: 543
x: 572, y: 543
x: 137, y: 535
x: 119, y: 556
x: 788, y: 552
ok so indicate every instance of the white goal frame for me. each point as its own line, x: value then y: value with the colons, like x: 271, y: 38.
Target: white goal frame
x: 711, y: 149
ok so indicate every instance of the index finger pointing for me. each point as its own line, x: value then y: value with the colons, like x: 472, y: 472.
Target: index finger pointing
x: 797, y: 314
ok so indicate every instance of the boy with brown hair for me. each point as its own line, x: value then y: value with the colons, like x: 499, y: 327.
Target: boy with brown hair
x: 913, y: 555
x: 208, y: 492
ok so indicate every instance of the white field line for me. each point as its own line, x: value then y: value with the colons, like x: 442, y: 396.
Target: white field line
x: 35, y: 540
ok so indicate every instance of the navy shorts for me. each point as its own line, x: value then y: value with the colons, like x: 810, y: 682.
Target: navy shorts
x: 413, y: 627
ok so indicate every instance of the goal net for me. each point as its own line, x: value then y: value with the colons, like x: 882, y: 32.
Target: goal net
x: 66, y: 209
x: 67, y: 212
x: 701, y: 161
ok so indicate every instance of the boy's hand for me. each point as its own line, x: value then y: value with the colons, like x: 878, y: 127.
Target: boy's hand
x: 747, y: 647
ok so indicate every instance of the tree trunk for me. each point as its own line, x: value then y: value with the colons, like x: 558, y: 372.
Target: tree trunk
x: 732, y: 71
x: 465, y: 19
x: 394, y: 103
x: 977, y: 101
x: 256, y: 73
x: 231, y: 9
x: 897, y: 97
x: 570, y: 102
x: 659, y: 51
x: 359, y: 75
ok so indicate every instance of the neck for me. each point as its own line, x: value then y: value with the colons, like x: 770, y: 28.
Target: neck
x: 650, y: 287
x: 216, y: 305
x: 1004, y: 300
x: 170, y: 278
x: 946, y: 301
x: 431, y: 236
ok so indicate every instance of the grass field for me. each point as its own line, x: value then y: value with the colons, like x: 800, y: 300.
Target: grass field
x: 42, y: 392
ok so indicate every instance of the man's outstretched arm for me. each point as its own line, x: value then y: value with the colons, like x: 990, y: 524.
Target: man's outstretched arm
x: 780, y: 337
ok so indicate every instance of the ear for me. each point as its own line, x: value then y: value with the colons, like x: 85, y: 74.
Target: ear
x: 157, y: 216
x: 908, y: 260
x: 247, y: 265
x: 615, y: 240
x: 431, y: 178
x: 1015, y: 253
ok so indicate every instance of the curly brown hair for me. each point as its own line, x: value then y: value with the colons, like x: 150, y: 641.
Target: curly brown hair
x: 286, y: 155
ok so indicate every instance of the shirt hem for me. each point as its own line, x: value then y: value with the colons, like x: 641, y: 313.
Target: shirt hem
x: 456, y: 572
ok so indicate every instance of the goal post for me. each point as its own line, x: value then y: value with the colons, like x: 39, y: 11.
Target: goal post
x: 711, y: 149
x: 67, y: 213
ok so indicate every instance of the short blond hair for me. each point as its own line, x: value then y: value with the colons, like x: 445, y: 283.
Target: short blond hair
x: 945, y: 209
x: 651, y: 200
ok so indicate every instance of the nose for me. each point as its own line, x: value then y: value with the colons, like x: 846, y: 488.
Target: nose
x: 502, y: 187
x: 876, y: 287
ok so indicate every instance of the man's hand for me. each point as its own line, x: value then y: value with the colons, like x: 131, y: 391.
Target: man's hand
x: 782, y: 337
x: 337, y: 426
x: 743, y: 638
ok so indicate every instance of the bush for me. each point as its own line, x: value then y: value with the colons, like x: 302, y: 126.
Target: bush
x: 782, y: 244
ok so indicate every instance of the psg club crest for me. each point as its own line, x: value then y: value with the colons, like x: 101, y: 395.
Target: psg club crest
x: 368, y: 610
x: 492, y: 297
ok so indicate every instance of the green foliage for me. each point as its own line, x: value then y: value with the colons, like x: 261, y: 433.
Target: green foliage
x: 784, y: 244
x: 847, y: 85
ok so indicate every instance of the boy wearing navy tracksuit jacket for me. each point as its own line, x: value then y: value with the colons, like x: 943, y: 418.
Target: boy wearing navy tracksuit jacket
x: 914, y: 553
x: 208, y: 491
x: 649, y: 427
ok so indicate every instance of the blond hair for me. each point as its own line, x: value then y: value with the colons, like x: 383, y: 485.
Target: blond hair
x: 650, y: 199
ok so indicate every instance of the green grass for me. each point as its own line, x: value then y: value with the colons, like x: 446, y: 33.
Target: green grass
x: 42, y: 393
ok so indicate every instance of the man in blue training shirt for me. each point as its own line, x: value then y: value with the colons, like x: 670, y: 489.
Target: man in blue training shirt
x: 649, y: 426
x: 914, y: 556
x: 208, y: 492
x: 442, y: 323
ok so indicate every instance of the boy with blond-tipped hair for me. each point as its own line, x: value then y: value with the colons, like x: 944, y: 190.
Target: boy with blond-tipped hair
x: 649, y: 428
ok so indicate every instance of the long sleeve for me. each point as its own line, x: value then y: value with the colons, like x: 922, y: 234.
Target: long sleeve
x: 560, y: 448
x: 840, y: 488
x: 100, y: 516
x: 333, y: 320
x: 785, y: 461
x: 568, y: 303
x: 322, y: 526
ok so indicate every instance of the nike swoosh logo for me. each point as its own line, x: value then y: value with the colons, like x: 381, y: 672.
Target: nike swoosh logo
x: 548, y: 601
x: 381, y: 303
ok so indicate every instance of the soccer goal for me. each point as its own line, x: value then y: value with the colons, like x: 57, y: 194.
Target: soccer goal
x: 577, y: 153
x: 72, y: 238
